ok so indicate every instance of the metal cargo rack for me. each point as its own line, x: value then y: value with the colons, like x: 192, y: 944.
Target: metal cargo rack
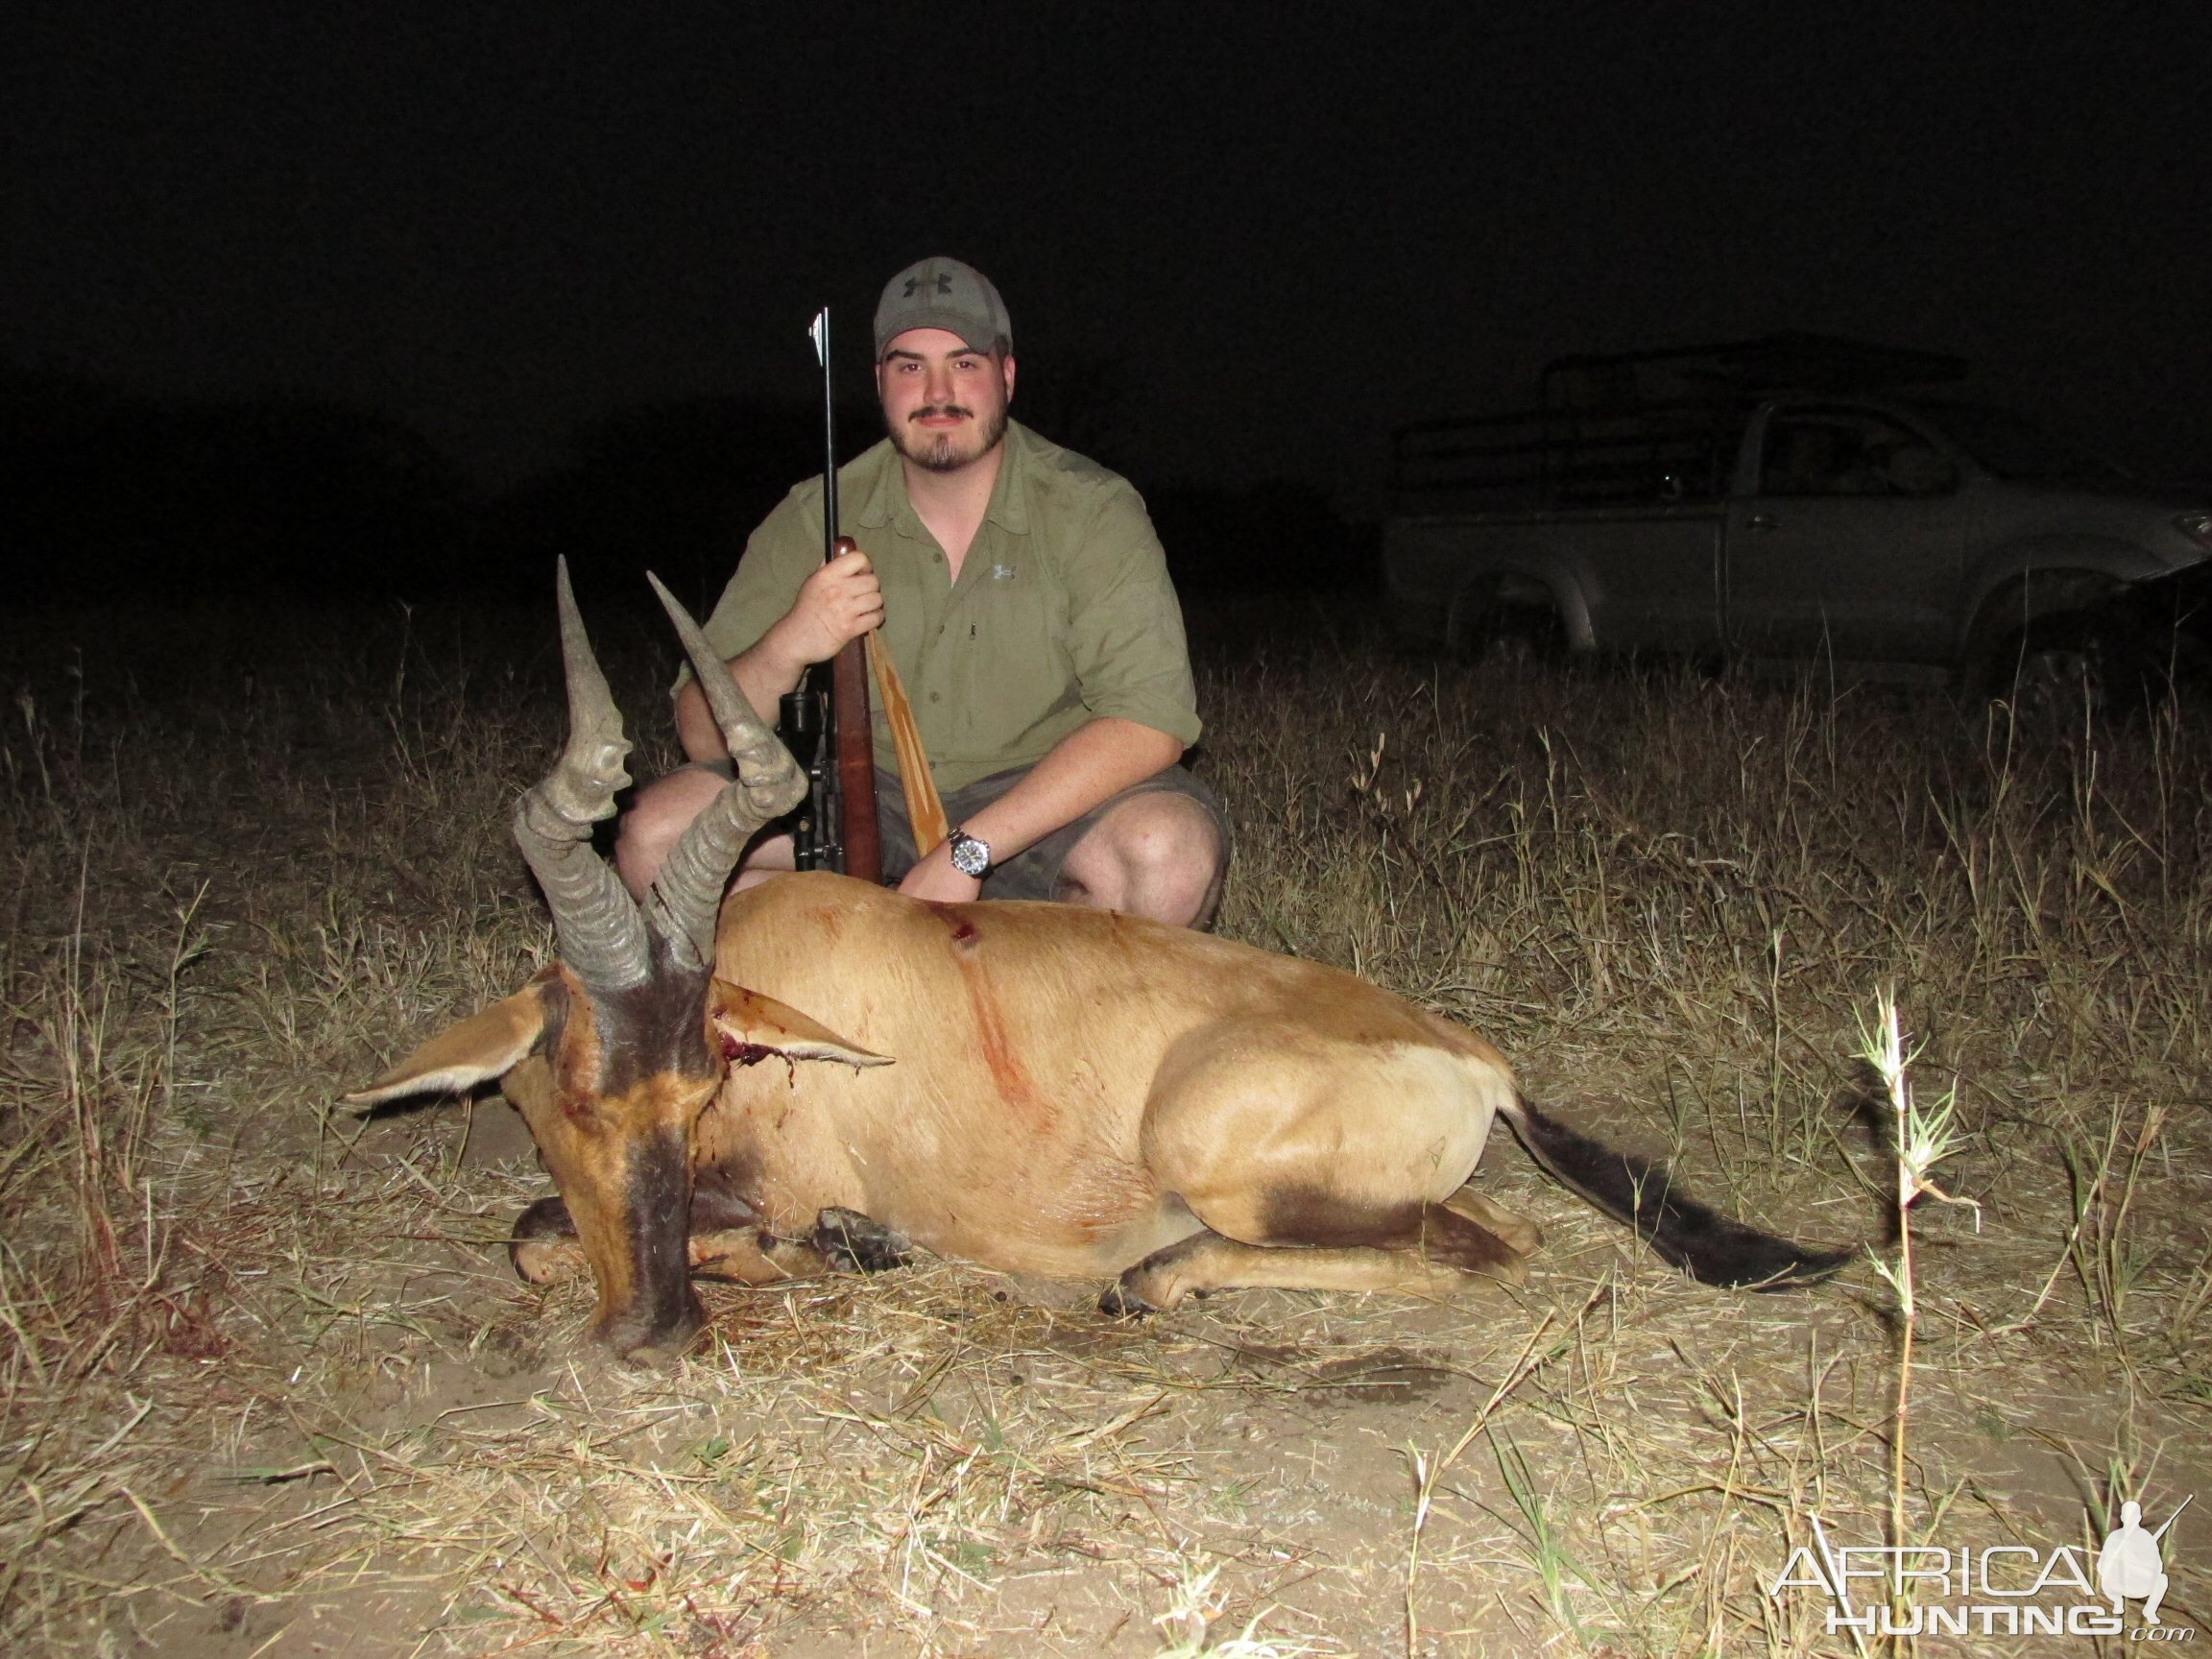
x: 1638, y: 428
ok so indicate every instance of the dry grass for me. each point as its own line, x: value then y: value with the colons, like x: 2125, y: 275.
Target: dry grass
x: 266, y: 1386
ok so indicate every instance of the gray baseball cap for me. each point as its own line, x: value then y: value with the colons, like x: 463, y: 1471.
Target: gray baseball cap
x: 941, y: 293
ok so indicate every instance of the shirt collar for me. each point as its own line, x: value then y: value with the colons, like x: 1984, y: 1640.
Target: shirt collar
x: 1009, y: 507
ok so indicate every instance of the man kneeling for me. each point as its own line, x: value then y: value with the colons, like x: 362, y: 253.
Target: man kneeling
x: 1026, y: 601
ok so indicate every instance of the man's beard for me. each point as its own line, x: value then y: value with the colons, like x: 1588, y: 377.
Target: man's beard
x: 948, y: 452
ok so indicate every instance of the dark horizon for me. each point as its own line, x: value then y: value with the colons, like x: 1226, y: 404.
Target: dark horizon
x: 1255, y: 242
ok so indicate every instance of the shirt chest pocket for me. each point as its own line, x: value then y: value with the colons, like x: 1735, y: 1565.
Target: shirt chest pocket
x: 1011, y: 669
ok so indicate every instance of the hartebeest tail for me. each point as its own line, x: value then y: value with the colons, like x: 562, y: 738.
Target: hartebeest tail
x: 1712, y: 1248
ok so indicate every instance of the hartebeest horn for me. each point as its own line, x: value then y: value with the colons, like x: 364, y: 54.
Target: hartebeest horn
x: 602, y: 936
x: 687, y: 894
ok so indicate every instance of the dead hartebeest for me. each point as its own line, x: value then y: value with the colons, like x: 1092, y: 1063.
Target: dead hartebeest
x: 816, y: 1072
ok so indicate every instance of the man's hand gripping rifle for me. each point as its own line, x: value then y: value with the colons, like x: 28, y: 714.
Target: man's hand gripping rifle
x: 825, y: 721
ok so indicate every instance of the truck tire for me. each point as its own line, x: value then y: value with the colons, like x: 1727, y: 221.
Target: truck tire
x: 2054, y: 673
x: 1516, y: 623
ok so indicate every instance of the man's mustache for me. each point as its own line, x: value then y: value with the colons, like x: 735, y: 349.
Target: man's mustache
x: 935, y: 409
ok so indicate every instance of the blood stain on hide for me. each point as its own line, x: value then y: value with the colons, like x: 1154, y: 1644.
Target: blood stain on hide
x: 998, y: 1047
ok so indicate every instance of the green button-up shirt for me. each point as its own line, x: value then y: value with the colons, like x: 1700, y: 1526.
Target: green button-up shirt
x: 1063, y: 612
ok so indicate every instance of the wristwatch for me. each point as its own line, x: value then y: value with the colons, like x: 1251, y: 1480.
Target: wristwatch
x: 970, y: 857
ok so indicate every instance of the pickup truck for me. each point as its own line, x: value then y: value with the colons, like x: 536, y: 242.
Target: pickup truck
x: 1786, y: 499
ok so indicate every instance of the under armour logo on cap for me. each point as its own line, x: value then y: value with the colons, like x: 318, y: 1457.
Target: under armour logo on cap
x: 942, y: 292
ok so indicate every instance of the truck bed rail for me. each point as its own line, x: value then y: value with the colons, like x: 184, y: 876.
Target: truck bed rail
x: 1678, y: 451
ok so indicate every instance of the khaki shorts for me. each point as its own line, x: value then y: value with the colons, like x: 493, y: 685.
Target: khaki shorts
x: 1036, y: 872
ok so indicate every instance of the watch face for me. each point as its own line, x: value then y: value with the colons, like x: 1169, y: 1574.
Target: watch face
x: 970, y: 857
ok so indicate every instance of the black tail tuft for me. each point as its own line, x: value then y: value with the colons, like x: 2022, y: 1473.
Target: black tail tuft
x: 1712, y: 1248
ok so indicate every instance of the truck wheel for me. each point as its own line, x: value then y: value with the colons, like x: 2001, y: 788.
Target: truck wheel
x: 2052, y: 672
x: 1525, y: 634
x: 1506, y: 619
x: 1519, y: 632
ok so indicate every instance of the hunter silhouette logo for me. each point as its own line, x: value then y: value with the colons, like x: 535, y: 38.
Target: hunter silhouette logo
x: 2128, y: 1565
x: 942, y: 280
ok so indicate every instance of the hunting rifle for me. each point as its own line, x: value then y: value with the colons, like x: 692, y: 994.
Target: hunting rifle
x: 826, y: 720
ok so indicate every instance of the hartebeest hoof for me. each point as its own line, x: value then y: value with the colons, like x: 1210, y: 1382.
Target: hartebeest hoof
x: 1119, y: 1301
x: 852, y: 1242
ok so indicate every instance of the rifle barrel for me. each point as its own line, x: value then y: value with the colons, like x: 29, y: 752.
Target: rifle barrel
x: 841, y: 801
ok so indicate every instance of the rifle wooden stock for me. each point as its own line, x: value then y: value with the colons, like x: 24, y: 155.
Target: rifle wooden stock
x: 925, y: 811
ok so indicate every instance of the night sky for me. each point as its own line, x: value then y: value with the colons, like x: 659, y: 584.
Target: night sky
x: 1283, y: 229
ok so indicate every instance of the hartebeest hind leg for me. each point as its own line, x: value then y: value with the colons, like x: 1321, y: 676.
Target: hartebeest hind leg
x: 1323, y: 1161
x: 1431, y: 1254
x: 1518, y: 1230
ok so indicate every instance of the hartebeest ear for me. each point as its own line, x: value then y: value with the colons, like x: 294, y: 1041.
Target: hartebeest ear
x: 755, y: 1027
x: 483, y: 1047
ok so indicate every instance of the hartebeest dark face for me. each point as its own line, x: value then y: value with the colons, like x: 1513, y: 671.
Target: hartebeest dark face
x: 613, y: 1055
x: 610, y: 1095
x: 612, y: 1086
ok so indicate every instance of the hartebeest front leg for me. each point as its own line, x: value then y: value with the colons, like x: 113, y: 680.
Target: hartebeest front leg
x: 843, y: 1241
x: 857, y: 1243
x: 543, y: 1245
x: 725, y: 1242
x: 730, y: 1240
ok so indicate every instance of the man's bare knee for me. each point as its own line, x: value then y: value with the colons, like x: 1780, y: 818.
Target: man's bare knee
x: 1157, y: 855
x: 657, y: 817
x: 768, y: 857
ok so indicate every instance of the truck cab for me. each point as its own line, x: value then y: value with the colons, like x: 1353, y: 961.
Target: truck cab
x: 1783, y: 500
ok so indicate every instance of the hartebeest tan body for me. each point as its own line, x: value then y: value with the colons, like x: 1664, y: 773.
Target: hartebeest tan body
x: 818, y: 1068
x: 1075, y: 1090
